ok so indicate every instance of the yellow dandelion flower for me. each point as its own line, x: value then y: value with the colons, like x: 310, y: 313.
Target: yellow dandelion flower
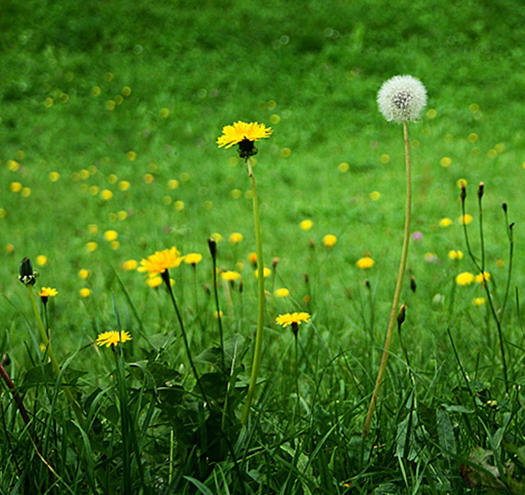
x: 242, y: 131
x: 160, y: 261
x: 173, y: 183
x: 47, y: 292
x: 461, y: 183
x: 124, y: 185
x: 83, y: 273
x: 114, y: 245
x: 91, y: 246
x: 472, y: 137
x: 365, y: 262
x: 131, y: 155
x: 13, y: 165
x: 41, y: 259
x: 465, y: 219
x: 266, y: 272
x: 500, y: 263
x: 106, y: 194
x: 431, y: 113
x: 329, y: 240
x: 384, y: 158
x: 230, y: 275
x: 122, y: 215
x: 154, y: 281
x: 454, y: 254
x: 253, y: 258
x: 15, y: 186
x: 93, y: 190
x: 179, y: 205
x: 126, y: 91
x: 445, y: 222
x: 216, y: 237
x: 282, y: 292
x: 375, y: 195
x: 148, y: 178
x: 292, y: 319
x: 306, y: 225
x: 478, y: 301
x: 110, y: 235
x: 26, y: 192
x: 464, y: 278
x: 445, y: 161
x: 482, y: 278
x: 129, y: 265
x: 343, y: 167
x: 54, y: 176
x: 84, y: 292
x: 110, y: 105
x: 164, y: 113
x: 218, y: 315
x: 112, y: 338
x: 235, y: 193
x: 193, y: 258
x: 235, y: 238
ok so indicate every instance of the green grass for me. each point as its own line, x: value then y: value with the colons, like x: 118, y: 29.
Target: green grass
x: 311, y: 72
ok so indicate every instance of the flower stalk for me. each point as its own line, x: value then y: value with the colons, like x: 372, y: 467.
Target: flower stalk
x: 260, y: 296
x: 399, y: 284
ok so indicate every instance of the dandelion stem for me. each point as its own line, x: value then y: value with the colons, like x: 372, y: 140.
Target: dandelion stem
x: 217, y: 306
x: 165, y: 276
x: 399, y: 284
x: 260, y: 297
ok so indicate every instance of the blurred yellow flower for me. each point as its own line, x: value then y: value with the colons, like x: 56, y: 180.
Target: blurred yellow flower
x: 106, y: 194
x: 179, y: 205
x: 91, y: 246
x: 384, y: 158
x: 84, y: 292
x: 445, y: 222
x: 129, y: 265
x: 465, y: 219
x: 306, y: 225
x: 114, y: 245
x: 126, y: 91
x: 131, y: 155
x: 465, y: 278
x: 110, y: 235
x: 83, y: 273
x: 478, y: 301
x: 149, y: 178
x: 375, y: 195
x: 461, y: 183
x: 13, y: 165
x: 15, y: 186
x: 253, y: 258
x: 266, y: 272
x: 230, y: 275
x: 343, y: 167
x: 173, y: 183
x: 365, y: 262
x: 235, y: 238
x: 329, y: 240
x: 112, y: 338
x: 154, y: 281
x: 482, y: 278
x: 124, y: 185
x: 282, y: 292
x: 54, y: 176
x: 193, y: 258
x: 26, y: 192
x: 445, y: 161
x: 216, y: 237
x: 41, y: 259
x: 454, y: 254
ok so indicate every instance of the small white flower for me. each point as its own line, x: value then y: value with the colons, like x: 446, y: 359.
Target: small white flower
x: 402, y: 98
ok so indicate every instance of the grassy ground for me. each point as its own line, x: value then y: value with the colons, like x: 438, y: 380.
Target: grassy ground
x: 130, y: 98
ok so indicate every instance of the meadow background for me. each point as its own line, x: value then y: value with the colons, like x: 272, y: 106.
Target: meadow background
x: 130, y: 97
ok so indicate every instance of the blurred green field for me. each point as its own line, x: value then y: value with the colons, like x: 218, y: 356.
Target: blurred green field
x: 130, y: 97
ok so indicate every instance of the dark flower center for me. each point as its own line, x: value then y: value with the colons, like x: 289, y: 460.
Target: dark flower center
x: 402, y: 100
x: 246, y: 149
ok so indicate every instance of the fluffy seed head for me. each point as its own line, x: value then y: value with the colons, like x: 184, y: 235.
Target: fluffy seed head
x: 402, y: 98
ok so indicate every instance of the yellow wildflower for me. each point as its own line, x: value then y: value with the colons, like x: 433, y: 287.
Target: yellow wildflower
x: 329, y: 240
x: 306, y: 225
x: 235, y: 238
x: 365, y: 262
x: 161, y: 261
x: 112, y: 338
x: 465, y: 278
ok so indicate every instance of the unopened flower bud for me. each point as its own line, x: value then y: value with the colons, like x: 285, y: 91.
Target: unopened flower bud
x: 481, y: 189
x: 212, y: 245
x: 504, y: 206
x: 413, y: 285
x: 463, y: 194
x: 27, y: 275
x: 275, y: 262
x: 401, y: 316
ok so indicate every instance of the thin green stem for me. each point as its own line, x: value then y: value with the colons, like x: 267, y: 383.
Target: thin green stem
x: 165, y: 276
x: 399, y: 285
x: 219, y: 319
x: 260, y: 297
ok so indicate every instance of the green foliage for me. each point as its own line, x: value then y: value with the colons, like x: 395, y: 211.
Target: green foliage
x: 84, y: 84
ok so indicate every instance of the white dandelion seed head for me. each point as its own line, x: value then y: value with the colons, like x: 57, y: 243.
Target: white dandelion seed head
x: 402, y: 98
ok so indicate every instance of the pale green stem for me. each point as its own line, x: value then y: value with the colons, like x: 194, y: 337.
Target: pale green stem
x: 399, y: 285
x: 56, y: 367
x: 260, y: 297
x: 43, y: 333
